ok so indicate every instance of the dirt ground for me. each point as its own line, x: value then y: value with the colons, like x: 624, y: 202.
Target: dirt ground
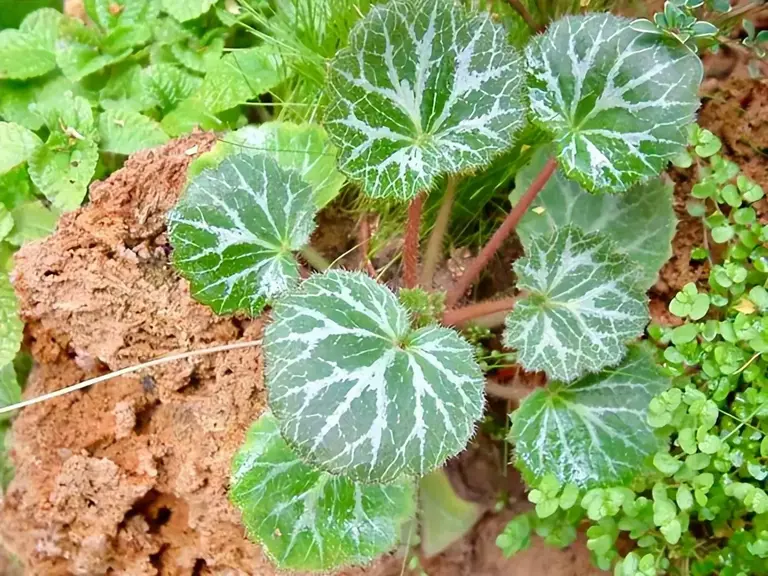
x: 130, y: 477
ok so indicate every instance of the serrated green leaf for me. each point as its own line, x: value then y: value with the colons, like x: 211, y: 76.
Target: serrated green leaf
x: 591, y: 432
x: 81, y: 52
x: 425, y: 88
x: 130, y: 13
x: 126, y: 132
x: 641, y: 221
x: 196, y: 57
x: 127, y: 89
x: 6, y: 468
x: 15, y: 187
x: 10, y: 391
x: 445, y: 516
x: 303, y: 147
x: 582, y: 305
x: 169, y: 85
x: 30, y: 51
x: 235, y: 229
x: 307, y: 519
x: 15, y: 101
x: 62, y: 168
x: 31, y: 221
x: 357, y: 391
x: 240, y: 76
x: 615, y: 100
x: 11, y: 326
x: 18, y: 145
x: 184, y: 10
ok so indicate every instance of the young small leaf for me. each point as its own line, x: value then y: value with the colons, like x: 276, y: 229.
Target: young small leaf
x: 592, y: 432
x: 18, y: 144
x: 359, y: 392
x: 126, y: 132
x: 307, y: 519
x: 11, y: 327
x: 614, y: 99
x: 424, y: 88
x: 303, y: 147
x: 641, y: 221
x: 235, y: 229
x: 582, y: 305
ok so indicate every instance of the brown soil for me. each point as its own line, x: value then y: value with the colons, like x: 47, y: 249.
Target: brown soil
x: 129, y: 477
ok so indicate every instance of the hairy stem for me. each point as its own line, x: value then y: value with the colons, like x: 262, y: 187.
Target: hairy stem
x: 435, y: 244
x: 518, y: 6
x: 315, y: 259
x: 459, y: 316
x: 130, y: 369
x: 515, y: 391
x: 507, y: 227
x: 411, y: 247
x: 364, y: 240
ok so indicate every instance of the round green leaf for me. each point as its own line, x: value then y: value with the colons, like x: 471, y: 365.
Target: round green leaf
x: 235, y: 229
x: 424, y: 88
x: 641, y: 221
x: 11, y: 327
x: 592, y: 432
x: 303, y: 147
x: 307, y: 519
x: 615, y: 100
x: 582, y: 305
x: 358, y: 391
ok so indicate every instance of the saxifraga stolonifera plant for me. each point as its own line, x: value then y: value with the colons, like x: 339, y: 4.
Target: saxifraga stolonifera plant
x: 365, y: 395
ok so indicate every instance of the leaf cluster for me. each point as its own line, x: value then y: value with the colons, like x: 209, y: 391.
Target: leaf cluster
x: 703, y: 508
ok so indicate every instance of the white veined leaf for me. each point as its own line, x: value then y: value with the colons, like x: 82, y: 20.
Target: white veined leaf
x: 11, y: 327
x: 582, y: 305
x: 615, y: 100
x: 641, y: 221
x: 308, y: 519
x: 126, y: 132
x: 17, y: 146
x: 235, y: 229
x: 357, y: 390
x: 303, y: 147
x: 592, y: 432
x: 424, y: 88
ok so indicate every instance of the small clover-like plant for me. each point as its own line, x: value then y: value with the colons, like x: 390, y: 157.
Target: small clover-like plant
x: 369, y: 389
